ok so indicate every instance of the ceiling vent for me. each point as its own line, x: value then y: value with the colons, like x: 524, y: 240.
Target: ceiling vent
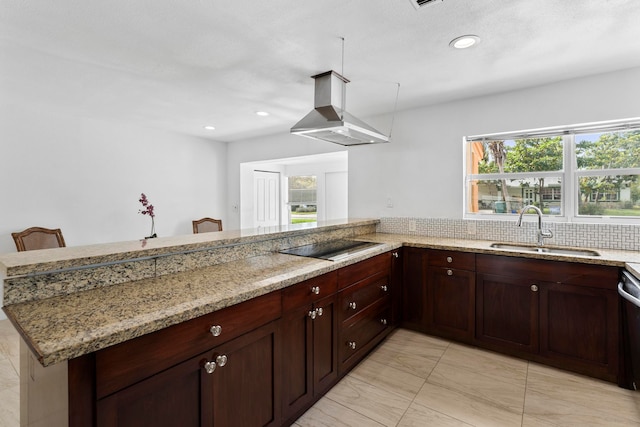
x: 421, y: 3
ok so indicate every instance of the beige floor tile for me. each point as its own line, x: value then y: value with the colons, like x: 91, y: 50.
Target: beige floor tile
x: 563, y: 412
x: 10, y: 349
x: 421, y: 416
x: 10, y: 406
x: 388, y: 378
x: 410, y: 352
x: 490, y: 364
x: 531, y: 421
x: 373, y: 402
x: 331, y: 414
x: 480, y: 384
x: 583, y: 392
x: 8, y: 376
x: 474, y: 411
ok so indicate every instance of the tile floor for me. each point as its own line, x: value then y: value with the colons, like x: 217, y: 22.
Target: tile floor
x: 416, y: 380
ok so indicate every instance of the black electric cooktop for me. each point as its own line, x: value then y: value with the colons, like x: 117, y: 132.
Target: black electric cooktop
x: 332, y: 250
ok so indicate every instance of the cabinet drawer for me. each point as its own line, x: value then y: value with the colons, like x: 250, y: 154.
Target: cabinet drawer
x: 309, y: 291
x: 134, y: 360
x: 452, y: 259
x: 363, y: 269
x: 359, y: 338
x: 358, y: 297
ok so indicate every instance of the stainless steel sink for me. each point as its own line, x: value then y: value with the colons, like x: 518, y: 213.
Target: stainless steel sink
x: 544, y: 249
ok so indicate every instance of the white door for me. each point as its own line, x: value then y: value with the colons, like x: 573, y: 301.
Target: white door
x: 336, y: 195
x: 266, y: 188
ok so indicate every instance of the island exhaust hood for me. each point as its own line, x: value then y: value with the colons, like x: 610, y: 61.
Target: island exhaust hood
x: 329, y: 122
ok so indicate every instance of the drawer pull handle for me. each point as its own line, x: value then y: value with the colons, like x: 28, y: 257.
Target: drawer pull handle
x: 352, y: 305
x: 395, y: 254
x: 313, y: 314
x: 315, y: 290
x: 383, y: 321
x: 449, y: 259
x: 534, y: 288
x: 449, y: 272
x: 319, y: 311
x: 216, y: 330
x: 352, y: 345
x: 384, y: 288
x: 210, y: 366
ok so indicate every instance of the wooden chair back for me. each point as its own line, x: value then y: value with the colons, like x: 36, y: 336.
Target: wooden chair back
x: 206, y: 225
x: 38, y: 238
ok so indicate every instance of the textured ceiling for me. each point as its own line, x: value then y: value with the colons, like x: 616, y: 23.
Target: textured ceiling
x: 179, y: 65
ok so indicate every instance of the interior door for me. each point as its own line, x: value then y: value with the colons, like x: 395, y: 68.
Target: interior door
x: 266, y: 188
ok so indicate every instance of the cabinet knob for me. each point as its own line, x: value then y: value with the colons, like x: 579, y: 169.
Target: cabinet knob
x: 352, y: 345
x: 449, y: 259
x: 352, y: 305
x: 534, y: 288
x: 313, y: 314
x: 383, y: 321
x: 216, y: 330
x: 395, y: 254
x: 221, y: 360
x: 210, y: 366
x: 384, y: 288
x: 315, y: 290
x: 449, y: 272
x: 319, y: 311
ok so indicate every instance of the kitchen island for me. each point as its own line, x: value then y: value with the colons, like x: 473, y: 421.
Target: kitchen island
x: 59, y: 320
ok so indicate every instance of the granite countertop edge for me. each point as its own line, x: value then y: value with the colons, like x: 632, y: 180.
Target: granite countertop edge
x: 61, y: 328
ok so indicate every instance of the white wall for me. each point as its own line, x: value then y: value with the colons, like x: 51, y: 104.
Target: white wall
x: 420, y: 171
x: 85, y: 176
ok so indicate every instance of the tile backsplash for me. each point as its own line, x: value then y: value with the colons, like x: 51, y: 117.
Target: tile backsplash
x: 603, y: 236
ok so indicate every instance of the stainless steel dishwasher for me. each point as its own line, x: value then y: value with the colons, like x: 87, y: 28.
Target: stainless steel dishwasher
x: 629, y: 289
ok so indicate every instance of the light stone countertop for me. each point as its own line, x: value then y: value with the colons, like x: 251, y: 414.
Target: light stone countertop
x: 61, y: 328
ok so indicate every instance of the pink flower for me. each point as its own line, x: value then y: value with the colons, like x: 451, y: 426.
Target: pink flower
x: 145, y: 204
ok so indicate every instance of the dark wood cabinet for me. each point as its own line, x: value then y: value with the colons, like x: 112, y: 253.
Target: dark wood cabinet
x: 579, y: 328
x: 414, y: 289
x: 240, y: 388
x: 507, y: 313
x: 365, y: 308
x: 231, y: 375
x: 558, y: 313
x: 310, y: 361
x: 451, y: 294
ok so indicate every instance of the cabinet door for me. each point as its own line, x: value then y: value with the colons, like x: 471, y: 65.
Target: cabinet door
x: 297, y: 368
x: 507, y: 313
x: 310, y: 360
x: 245, y: 392
x: 451, y: 303
x: 170, y: 398
x: 579, y: 328
x: 325, y: 352
x: 414, y: 289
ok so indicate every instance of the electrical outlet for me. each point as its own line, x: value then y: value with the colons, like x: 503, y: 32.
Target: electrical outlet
x: 389, y: 202
x: 412, y: 225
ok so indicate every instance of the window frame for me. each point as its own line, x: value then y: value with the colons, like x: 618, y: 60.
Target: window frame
x: 569, y: 174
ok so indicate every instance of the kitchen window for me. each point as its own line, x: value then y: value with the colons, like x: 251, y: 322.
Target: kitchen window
x: 572, y: 173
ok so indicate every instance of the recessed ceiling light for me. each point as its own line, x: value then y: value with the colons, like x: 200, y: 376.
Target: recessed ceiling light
x: 262, y: 113
x: 210, y: 127
x: 464, y: 42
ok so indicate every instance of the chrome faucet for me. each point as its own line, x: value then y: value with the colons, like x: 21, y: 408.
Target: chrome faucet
x: 542, y: 234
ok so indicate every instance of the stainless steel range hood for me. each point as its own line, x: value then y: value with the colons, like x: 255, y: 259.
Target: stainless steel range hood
x: 329, y: 122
